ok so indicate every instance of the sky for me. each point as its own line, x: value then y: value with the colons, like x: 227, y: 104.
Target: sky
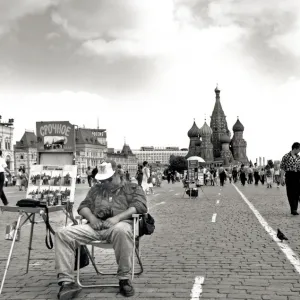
x: 148, y: 68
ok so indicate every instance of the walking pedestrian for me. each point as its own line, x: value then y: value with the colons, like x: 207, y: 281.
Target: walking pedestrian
x: 3, y: 168
x: 269, y: 176
x: 262, y: 176
x: 290, y: 175
x: 89, y: 176
x: 127, y: 176
x: 146, y: 176
x: 250, y: 175
x: 234, y: 174
x: 24, y: 180
x: 256, y: 174
x: 277, y: 175
x: 19, y: 179
x: 229, y: 174
x: 169, y: 177
x: 139, y: 175
x: 222, y: 175
x: 242, y: 175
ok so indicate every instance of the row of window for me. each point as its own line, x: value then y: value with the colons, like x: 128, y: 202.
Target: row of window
x: 7, y: 144
x: 22, y: 156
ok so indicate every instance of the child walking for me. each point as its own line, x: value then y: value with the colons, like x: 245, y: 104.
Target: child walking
x: 269, y: 176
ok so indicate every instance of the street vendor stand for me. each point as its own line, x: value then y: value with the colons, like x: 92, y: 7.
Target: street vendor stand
x: 51, y: 182
x: 194, y: 179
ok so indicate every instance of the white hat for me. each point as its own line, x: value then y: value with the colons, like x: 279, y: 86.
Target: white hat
x: 105, y: 171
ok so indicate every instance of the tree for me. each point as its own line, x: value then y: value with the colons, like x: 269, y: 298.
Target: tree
x: 178, y: 163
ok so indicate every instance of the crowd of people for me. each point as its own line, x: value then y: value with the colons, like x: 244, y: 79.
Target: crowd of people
x: 250, y: 174
x: 146, y: 176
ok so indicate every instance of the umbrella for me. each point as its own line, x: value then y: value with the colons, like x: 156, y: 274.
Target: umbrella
x: 198, y: 158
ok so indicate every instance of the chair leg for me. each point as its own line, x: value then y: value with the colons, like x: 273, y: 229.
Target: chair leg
x: 140, y: 263
x: 89, y: 286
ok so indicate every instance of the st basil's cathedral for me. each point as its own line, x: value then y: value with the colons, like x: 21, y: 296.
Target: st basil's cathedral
x: 214, y: 143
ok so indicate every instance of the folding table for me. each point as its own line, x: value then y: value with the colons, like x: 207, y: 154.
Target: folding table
x: 29, y: 213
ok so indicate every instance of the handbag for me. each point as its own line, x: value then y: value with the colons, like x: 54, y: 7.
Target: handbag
x: 29, y: 203
x: 84, y: 258
x: 146, y: 225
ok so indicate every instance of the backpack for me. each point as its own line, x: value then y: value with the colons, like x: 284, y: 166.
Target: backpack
x: 146, y: 225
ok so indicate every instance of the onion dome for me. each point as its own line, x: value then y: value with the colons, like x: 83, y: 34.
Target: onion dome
x: 217, y: 91
x: 238, y: 126
x: 225, y: 139
x: 194, y: 131
x: 205, y: 130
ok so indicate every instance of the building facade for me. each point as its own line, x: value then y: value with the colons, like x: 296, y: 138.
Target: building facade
x: 214, y: 143
x: 126, y: 158
x: 158, y: 155
x: 6, y: 142
x: 91, y: 148
x: 25, y: 151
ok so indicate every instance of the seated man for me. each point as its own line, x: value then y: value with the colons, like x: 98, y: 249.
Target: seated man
x: 108, y: 208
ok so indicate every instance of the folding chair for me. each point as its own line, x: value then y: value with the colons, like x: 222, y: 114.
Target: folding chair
x: 106, y: 245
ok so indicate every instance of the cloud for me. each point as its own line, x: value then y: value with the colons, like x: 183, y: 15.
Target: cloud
x: 52, y: 36
x: 13, y: 10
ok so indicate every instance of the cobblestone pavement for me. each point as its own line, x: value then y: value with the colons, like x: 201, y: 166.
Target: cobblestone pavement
x: 236, y: 256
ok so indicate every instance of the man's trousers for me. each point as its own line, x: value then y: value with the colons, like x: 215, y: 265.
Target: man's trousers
x: 292, y: 181
x: 69, y: 238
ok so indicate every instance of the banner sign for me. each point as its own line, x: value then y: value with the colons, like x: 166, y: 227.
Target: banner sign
x: 55, y: 136
x: 53, y: 185
x: 99, y: 133
x: 193, y: 164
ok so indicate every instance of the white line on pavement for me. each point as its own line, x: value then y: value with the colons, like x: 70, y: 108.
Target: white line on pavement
x: 197, y: 288
x: 177, y: 194
x: 289, y: 253
x: 171, y: 190
x: 218, y: 201
x: 213, y: 219
x: 219, y: 194
x: 156, y: 195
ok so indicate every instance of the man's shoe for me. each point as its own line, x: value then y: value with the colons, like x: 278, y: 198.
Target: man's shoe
x: 126, y: 288
x: 68, y: 291
x: 294, y: 213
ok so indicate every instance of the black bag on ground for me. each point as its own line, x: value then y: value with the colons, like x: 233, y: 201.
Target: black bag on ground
x: 84, y: 258
x: 146, y: 225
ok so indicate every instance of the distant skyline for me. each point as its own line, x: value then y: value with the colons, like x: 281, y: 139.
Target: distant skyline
x: 147, y: 68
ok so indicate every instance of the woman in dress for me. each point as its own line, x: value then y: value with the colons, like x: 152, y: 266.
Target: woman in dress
x: 146, y: 176
x: 24, y: 180
x: 19, y: 179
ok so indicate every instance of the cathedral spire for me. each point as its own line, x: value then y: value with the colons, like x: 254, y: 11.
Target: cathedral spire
x: 218, y: 124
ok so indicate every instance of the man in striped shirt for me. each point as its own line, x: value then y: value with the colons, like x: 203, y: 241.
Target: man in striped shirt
x: 290, y: 167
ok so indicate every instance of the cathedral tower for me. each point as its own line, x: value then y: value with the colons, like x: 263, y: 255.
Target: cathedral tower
x: 206, y: 148
x: 238, y: 144
x: 218, y: 124
x: 195, y: 143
